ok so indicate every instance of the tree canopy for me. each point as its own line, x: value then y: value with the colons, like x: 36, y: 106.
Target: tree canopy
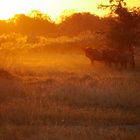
x: 124, y: 25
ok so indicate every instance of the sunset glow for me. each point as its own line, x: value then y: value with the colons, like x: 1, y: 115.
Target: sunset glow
x: 53, y: 8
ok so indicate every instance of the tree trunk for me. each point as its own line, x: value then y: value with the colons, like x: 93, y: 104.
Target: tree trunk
x: 132, y: 62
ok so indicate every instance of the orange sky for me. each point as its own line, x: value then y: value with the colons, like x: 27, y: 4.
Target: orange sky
x: 53, y: 8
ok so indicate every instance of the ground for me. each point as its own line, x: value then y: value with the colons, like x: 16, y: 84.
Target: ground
x: 77, y: 102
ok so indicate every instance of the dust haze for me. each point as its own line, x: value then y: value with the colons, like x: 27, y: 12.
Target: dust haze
x: 51, y: 89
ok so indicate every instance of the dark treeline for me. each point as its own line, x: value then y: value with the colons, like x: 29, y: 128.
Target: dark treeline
x: 43, y: 26
x: 77, y: 25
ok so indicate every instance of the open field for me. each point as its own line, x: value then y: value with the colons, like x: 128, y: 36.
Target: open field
x: 55, y: 100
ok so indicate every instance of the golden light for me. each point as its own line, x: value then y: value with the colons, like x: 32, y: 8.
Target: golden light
x: 53, y: 8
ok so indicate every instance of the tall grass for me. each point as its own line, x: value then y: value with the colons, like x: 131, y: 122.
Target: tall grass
x: 70, y: 105
x: 58, y: 95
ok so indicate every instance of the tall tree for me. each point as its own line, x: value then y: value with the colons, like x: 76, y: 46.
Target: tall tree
x: 123, y: 34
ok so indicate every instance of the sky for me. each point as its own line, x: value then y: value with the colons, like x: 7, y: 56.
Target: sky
x: 53, y: 8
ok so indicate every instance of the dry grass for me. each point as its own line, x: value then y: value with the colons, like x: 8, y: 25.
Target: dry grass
x: 70, y: 105
x: 51, y: 92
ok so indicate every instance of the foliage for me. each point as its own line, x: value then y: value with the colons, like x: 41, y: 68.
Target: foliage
x: 38, y: 24
x: 123, y: 25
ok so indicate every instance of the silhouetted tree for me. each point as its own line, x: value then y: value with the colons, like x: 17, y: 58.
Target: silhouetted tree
x: 123, y: 34
x: 36, y: 14
x: 34, y: 25
x: 78, y: 23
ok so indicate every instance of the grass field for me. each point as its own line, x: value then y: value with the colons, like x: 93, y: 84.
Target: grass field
x: 76, y: 102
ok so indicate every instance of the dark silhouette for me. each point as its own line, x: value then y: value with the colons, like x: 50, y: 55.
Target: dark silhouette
x: 94, y: 55
x: 124, y: 28
x: 121, y: 59
x: 80, y: 22
x: 111, y: 57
